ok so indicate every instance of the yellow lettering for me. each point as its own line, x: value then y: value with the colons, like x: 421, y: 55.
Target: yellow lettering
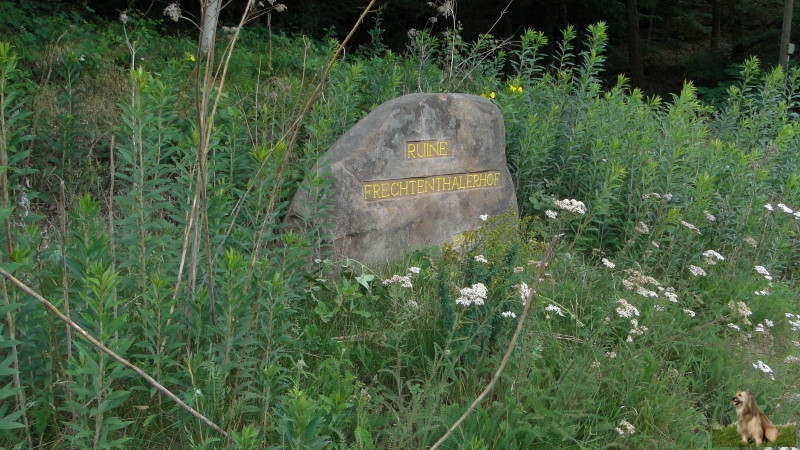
x: 410, y: 187
x: 411, y: 148
x: 403, y: 188
x: 426, y: 149
x: 446, y: 183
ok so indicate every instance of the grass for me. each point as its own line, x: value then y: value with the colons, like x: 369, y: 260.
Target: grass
x: 728, y: 437
x: 674, y: 228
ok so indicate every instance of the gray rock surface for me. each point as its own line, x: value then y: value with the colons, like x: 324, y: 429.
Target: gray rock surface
x: 415, y: 172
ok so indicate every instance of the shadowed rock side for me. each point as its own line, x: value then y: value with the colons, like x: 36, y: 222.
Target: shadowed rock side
x: 417, y: 171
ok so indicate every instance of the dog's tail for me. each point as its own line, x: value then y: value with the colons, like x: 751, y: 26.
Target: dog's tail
x: 772, y: 433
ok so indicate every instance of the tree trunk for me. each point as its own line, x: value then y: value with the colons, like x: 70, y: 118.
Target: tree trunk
x: 716, y: 24
x: 210, y: 11
x: 786, y: 33
x: 634, y: 43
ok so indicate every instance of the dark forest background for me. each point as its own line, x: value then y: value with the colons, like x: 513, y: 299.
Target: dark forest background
x: 699, y: 40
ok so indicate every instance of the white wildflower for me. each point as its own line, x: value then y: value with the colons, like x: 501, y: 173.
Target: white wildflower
x: 473, y: 295
x: 626, y: 310
x: 123, y: 17
x: 792, y: 359
x: 414, y: 269
x: 573, y: 206
x: 554, y: 309
x: 595, y: 364
x: 551, y: 214
x: 795, y: 324
x: 689, y: 312
x: 484, y: 217
x: 625, y: 427
x: 769, y: 323
x: 608, y: 263
x: 655, y: 195
x: 750, y: 241
x: 690, y: 226
x: 671, y: 295
x: 524, y: 291
x: 508, y: 314
x: 280, y: 7
x: 655, y: 244
x: 667, y: 196
x: 644, y: 292
x: 402, y: 281
x: 611, y: 355
x: 481, y: 259
x: 658, y: 308
x: 760, y: 365
x: 712, y: 256
x: 734, y: 326
x: 710, y: 217
x: 519, y: 269
x: 785, y: 208
x: 763, y: 271
x: 413, y: 304
x: 636, y: 330
x: 763, y: 292
x: 697, y: 271
x: 173, y: 11
x: 642, y: 228
x: 769, y: 207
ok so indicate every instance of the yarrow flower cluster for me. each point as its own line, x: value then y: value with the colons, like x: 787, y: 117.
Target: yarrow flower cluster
x: 625, y: 427
x: 626, y: 310
x: 606, y: 262
x: 481, y: 259
x: 760, y: 365
x: 712, y: 256
x: 573, y: 206
x: 794, y: 321
x: 639, y: 282
x: 697, y: 271
x: 710, y: 217
x: 741, y: 309
x: 636, y: 330
x: 671, y: 295
x: 690, y: 226
x: 524, y: 291
x: 473, y: 295
x: 551, y: 214
x: 750, y: 241
x: 689, y: 312
x: 763, y: 271
x: 402, y: 281
x: 173, y: 11
x: 509, y: 314
x: 553, y: 309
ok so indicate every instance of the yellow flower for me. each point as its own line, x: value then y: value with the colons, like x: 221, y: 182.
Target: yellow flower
x: 513, y: 88
x: 491, y: 94
x: 191, y: 58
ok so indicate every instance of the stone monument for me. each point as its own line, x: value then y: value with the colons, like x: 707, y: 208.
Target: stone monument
x: 417, y: 171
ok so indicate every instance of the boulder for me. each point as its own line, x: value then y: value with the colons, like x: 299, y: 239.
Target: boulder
x: 417, y: 171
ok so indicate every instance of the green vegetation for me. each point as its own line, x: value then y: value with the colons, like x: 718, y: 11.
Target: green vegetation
x: 144, y: 198
x: 728, y: 437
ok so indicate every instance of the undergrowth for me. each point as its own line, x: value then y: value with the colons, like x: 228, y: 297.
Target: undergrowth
x: 672, y: 286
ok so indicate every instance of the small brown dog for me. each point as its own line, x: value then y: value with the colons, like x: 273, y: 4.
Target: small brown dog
x: 752, y: 422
